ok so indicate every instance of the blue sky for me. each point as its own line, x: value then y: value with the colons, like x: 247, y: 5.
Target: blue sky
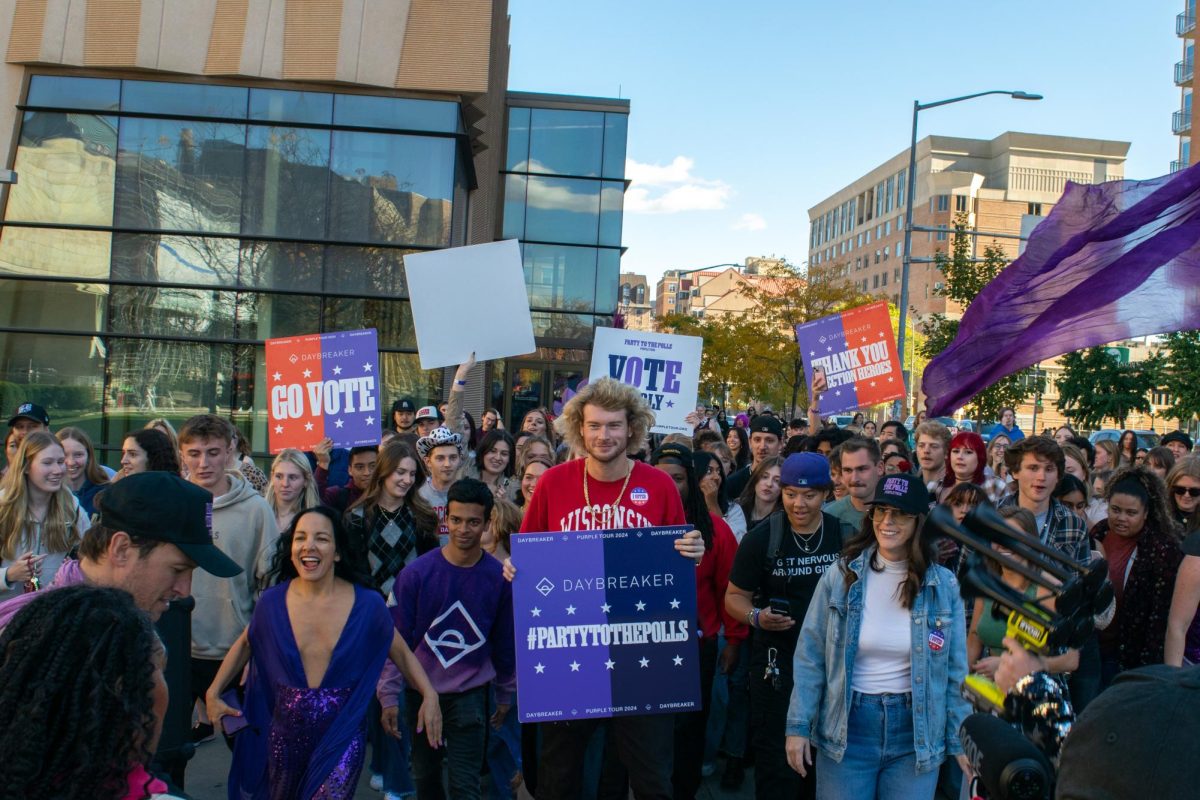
x: 745, y: 115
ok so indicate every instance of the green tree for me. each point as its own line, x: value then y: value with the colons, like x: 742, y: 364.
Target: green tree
x: 730, y: 343
x: 1095, y: 386
x: 783, y: 298
x: 1181, y: 375
x: 963, y: 279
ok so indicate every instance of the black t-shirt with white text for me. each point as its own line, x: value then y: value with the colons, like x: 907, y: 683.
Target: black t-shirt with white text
x: 795, y: 571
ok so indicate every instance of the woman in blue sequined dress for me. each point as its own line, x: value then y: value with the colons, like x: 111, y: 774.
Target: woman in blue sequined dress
x: 315, y: 646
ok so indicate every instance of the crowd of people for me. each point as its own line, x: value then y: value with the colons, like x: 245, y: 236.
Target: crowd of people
x: 333, y: 591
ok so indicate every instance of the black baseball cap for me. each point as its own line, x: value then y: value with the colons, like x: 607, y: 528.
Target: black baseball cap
x: 1137, y: 739
x: 767, y: 423
x: 404, y: 404
x: 904, y: 492
x: 166, y: 508
x: 672, y: 450
x: 30, y: 411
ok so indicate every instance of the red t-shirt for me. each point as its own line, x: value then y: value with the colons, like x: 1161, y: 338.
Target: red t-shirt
x: 712, y: 579
x: 649, y: 501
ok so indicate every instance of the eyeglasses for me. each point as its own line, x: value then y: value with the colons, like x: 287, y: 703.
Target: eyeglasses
x: 1191, y: 491
x: 880, y: 513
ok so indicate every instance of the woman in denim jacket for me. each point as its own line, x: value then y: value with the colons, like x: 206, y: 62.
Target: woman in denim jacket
x: 881, y: 657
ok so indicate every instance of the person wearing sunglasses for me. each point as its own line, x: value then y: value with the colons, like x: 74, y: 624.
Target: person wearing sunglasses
x: 880, y: 659
x: 1183, y: 622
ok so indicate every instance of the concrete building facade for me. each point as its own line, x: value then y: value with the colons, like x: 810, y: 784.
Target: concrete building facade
x: 634, y: 302
x: 1183, y: 119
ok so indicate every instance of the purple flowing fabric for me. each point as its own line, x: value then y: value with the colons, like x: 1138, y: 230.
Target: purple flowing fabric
x: 1112, y: 261
x: 303, y: 743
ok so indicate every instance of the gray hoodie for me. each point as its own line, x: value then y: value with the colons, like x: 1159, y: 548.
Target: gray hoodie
x: 243, y: 527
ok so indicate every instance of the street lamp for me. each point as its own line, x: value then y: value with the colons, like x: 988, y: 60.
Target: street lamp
x: 910, y: 194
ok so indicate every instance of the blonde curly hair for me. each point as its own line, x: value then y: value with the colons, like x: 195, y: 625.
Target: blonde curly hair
x: 610, y: 395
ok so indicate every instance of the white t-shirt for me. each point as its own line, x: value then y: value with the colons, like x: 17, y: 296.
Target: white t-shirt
x: 883, y: 661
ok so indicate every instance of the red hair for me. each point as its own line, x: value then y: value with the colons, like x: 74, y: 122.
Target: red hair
x: 975, y: 442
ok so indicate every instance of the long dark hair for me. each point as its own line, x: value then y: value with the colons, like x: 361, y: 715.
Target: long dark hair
x: 746, y: 501
x: 921, y: 555
x: 352, y: 562
x: 160, y: 455
x: 488, y: 444
x: 1121, y: 447
x: 76, y: 683
x: 694, y: 507
x: 742, y: 457
x: 390, y: 457
x: 701, y: 459
x: 1142, y: 483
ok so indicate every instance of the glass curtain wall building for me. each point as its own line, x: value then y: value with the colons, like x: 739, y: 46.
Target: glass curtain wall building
x: 161, y: 231
x: 564, y: 188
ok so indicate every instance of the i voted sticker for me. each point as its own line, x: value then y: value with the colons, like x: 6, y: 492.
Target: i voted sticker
x: 639, y: 496
x: 936, y: 640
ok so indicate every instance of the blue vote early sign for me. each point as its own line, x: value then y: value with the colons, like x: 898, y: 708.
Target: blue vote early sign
x: 606, y: 624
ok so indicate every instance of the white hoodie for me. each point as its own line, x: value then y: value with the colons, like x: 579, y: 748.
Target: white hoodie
x: 243, y: 526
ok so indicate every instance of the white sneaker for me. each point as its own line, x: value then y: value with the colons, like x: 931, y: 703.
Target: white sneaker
x: 377, y: 782
x: 396, y: 796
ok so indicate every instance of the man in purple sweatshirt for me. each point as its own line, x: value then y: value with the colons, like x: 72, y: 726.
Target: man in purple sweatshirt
x: 454, y: 609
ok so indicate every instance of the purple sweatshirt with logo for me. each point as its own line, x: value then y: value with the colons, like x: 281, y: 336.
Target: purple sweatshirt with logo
x: 459, y: 623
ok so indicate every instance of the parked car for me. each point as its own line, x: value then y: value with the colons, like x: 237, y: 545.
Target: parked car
x: 1145, y: 439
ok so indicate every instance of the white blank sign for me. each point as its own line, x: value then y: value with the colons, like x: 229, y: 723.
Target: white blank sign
x: 469, y: 300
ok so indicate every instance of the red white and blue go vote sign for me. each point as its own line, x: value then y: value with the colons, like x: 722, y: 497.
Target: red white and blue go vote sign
x: 606, y: 624
x: 323, y: 385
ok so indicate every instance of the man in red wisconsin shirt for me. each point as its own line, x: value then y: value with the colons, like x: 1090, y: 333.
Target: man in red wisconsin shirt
x: 607, y: 489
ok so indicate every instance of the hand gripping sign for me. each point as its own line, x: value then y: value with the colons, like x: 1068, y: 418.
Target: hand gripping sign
x: 606, y: 624
x: 664, y: 367
x: 323, y: 385
x: 854, y: 352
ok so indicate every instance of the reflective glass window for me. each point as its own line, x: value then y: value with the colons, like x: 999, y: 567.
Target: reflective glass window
x: 53, y: 305
x: 184, y: 99
x: 287, y: 182
x: 562, y: 210
x: 559, y: 277
x: 616, y: 131
x: 395, y: 113
x: 518, y: 140
x: 62, y: 373
x: 159, y: 378
x: 371, y: 271
x: 392, y: 188
x: 608, y: 272
x: 59, y: 253
x: 281, y: 105
x: 66, y: 163
x: 62, y: 91
x: 391, y: 318
x: 162, y: 311
x: 281, y: 265
x: 573, y: 327
x: 267, y: 316
x: 401, y: 376
x: 514, y: 207
x: 180, y: 175
x: 566, y: 142
x: 151, y: 258
x: 612, y: 202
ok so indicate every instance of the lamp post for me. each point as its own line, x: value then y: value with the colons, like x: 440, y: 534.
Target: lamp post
x: 910, y: 194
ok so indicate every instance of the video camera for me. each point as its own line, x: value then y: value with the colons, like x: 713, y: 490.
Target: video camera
x: 1007, y: 763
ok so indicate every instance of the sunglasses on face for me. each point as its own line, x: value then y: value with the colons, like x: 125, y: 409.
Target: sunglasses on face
x: 1191, y: 491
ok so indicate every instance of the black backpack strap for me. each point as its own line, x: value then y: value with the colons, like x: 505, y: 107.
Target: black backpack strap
x: 776, y: 541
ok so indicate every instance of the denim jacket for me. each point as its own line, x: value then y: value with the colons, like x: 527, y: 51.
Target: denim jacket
x: 824, y: 664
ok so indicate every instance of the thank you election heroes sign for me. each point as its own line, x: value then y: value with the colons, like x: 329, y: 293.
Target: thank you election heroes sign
x: 852, y: 355
x: 606, y: 624
x: 664, y: 367
x: 323, y: 384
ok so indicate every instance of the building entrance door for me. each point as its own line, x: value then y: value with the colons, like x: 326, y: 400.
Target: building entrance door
x: 539, y: 385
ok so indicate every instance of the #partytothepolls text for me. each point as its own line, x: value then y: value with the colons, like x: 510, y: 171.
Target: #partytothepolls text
x: 664, y: 367
x: 323, y: 385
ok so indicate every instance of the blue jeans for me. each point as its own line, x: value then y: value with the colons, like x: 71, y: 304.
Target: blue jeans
x: 503, y: 750
x: 880, y: 760
x: 395, y: 755
x: 464, y: 727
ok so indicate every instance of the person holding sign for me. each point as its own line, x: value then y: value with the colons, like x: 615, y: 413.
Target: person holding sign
x: 607, y: 420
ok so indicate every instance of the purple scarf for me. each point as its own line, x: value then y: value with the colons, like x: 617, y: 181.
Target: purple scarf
x: 356, y: 663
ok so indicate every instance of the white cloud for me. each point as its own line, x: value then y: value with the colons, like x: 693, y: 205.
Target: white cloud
x: 750, y: 222
x: 672, y: 188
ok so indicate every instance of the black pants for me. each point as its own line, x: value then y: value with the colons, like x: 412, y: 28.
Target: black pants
x: 464, y: 728
x: 690, y: 729
x: 773, y: 777
x: 644, y: 744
